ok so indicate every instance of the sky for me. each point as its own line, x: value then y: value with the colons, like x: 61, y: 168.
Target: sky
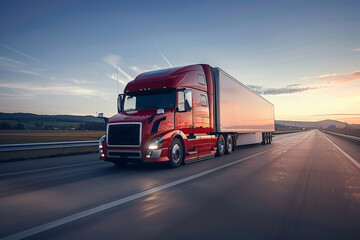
x: 74, y: 57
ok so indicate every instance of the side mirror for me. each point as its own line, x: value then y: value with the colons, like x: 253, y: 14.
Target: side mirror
x: 120, y: 102
x: 181, y: 101
x: 184, y: 100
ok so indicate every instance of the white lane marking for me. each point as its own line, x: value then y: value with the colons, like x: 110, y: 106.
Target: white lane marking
x: 50, y: 168
x: 343, y: 152
x: 59, y: 222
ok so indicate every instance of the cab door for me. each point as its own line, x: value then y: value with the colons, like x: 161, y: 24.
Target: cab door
x: 201, y: 121
x: 184, y: 117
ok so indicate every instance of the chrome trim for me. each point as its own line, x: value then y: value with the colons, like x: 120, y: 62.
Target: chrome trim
x: 107, y: 134
x: 156, y: 153
x: 123, y: 151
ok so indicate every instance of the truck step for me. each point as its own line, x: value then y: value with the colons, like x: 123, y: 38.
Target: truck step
x: 191, y: 153
x: 199, y: 158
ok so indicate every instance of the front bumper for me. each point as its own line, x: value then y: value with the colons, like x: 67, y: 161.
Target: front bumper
x: 143, y: 155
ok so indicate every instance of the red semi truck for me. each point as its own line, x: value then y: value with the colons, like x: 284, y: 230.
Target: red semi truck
x: 185, y: 114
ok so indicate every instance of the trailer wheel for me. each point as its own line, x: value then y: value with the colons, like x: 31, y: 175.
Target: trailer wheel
x: 263, y: 139
x: 270, y: 138
x: 220, y: 145
x: 229, y: 144
x: 176, y: 153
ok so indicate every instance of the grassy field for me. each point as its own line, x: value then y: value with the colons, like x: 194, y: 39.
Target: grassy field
x: 22, y: 136
x: 33, y: 154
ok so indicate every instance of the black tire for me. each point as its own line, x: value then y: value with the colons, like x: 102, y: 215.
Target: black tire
x: 229, y: 144
x: 220, y: 146
x: 267, y: 138
x: 270, y: 138
x: 121, y: 164
x: 176, y: 153
x: 263, y: 139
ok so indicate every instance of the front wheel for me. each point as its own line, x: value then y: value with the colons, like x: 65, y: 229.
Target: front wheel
x: 176, y: 153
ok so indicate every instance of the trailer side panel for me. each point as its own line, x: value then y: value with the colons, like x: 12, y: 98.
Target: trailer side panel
x: 238, y: 108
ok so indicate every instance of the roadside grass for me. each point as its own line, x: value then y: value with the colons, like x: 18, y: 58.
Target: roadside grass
x: 38, y: 136
x: 346, y: 131
x: 33, y: 154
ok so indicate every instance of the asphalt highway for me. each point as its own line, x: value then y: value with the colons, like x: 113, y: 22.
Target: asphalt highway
x: 302, y: 186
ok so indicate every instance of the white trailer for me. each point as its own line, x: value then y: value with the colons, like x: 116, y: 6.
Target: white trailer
x: 241, y: 111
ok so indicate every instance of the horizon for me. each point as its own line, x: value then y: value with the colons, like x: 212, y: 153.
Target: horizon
x: 95, y: 116
x: 67, y: 59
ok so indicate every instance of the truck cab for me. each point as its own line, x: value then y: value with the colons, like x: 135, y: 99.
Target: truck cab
x: 163, y: 115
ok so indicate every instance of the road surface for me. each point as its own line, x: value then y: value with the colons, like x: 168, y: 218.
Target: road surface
x: 302, y: 186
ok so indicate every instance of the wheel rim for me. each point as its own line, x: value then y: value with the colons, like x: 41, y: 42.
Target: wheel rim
x: 176, y: 153
x: 229, y: 144
x: 221, y: 145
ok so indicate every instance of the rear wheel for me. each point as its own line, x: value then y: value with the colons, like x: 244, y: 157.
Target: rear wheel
x: 229, y: 144
x: 220, y: 145
x: 263, y: 139
x: 176, y: 153
x: 270, y: 138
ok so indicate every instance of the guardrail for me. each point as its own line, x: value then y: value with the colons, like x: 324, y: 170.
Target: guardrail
x: 343, y: 135
x: 49, y: 145
x: 285, y: 132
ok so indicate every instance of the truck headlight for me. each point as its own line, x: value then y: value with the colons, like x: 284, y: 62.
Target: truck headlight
x: 101, y: 141
x: 156, y: 143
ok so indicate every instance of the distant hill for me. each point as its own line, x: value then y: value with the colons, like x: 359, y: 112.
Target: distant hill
x: 320, y: 124
x: 30, y: 121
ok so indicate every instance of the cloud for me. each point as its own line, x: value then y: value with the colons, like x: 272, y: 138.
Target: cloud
x: 293, y: 85
x: 338, y: 114
x: 20, y: 52
x: 295, y: 88
x: 144, y: 68
x: 356, y: 50
x: 114, y: 61
x: 10, y: 61
x: 115, y: 77
x: 58, y: 89
x: 336, y: 77
x: 11, y: 65
x: 80, y: 82
x: 29, y: 72
x: 124, y: 73
x: 163, y: 56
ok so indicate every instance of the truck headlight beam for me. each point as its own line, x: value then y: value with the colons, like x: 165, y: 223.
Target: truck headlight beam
x: 156, y: 143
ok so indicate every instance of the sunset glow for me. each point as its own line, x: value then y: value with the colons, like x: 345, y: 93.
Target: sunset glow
x: 70, y: 59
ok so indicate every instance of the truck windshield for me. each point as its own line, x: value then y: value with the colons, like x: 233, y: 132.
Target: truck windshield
x: 149, y: 100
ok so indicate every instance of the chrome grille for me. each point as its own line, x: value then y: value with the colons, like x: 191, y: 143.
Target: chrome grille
x: 124, y: 134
